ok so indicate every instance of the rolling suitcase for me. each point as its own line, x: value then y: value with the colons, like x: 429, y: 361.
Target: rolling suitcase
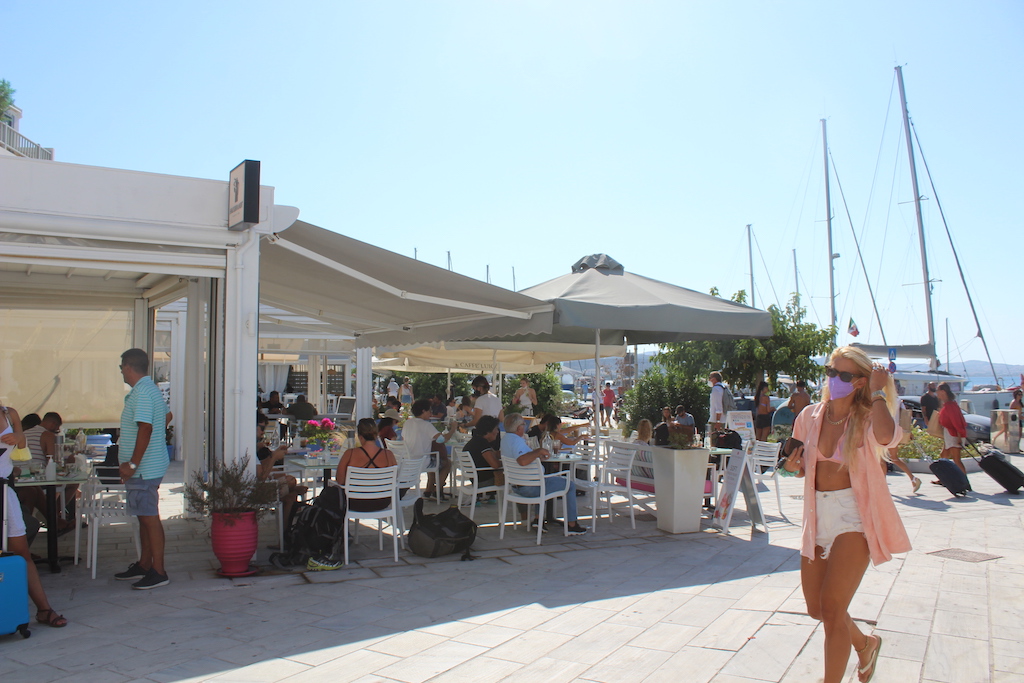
x: 997, y: 467
x: 951, y: 476
x: 13, y: 581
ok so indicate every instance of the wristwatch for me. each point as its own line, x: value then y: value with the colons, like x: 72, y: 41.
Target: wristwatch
x: 132, y: 465
x: 878, y: 394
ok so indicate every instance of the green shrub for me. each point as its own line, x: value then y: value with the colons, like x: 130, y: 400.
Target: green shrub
x: 921, y: 441
x: 655, y: 390
x: 547, y: 386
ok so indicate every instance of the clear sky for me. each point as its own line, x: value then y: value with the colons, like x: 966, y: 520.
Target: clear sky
x: 526, y: 134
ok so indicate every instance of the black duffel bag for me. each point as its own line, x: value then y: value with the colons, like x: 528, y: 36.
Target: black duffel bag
x: 727, y: 438
x: 447, y: 532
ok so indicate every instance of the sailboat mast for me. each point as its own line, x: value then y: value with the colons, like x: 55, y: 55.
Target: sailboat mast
x: 796, y: 276
x: 828, y: 222
x: 750, y: 260
x: 933, y: 361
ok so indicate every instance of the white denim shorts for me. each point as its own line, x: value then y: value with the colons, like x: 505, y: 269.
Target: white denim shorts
x: 837, y: 514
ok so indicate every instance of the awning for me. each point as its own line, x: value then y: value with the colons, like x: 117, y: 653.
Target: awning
x: 385, y: 299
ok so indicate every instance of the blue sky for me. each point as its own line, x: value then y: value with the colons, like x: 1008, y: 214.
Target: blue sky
x: 527, y: 134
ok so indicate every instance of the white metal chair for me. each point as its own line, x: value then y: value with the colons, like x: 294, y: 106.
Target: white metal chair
x: 372, y: 483
x: 410, y: 472
x: 764, y: 461
x: 529, y: 475
x: 102, y: 504
x: 617, y: 467
x: 401, y: 451
x: 469, y: 480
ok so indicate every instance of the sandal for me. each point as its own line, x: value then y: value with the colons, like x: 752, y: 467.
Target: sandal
x: 51, y: 618
x: 869, y: 668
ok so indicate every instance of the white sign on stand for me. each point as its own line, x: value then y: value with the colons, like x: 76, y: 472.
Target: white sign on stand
x: 741, y: 422
x: 738, y: 479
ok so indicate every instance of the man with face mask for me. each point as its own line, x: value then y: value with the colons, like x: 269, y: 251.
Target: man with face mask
x: 716, y: 415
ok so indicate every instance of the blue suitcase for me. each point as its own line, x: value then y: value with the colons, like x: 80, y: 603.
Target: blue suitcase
x: 951, y: 476
x: 13, y: 583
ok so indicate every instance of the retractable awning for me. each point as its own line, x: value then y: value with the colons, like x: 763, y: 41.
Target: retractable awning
x: 385, y: 299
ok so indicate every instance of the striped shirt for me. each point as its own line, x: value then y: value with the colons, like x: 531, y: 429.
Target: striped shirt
x: 144, y: 403
x: 32, y: 444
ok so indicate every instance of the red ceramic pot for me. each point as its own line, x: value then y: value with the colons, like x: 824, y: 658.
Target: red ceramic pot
x: 235, y: 538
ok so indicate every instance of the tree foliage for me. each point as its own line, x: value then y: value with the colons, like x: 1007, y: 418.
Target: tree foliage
x: 656, y: 389
x: 547, y: 385
x: 6, y: 96
x: 790, y: 350
x: 425, y: 385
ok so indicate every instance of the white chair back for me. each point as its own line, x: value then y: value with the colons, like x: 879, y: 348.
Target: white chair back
x: 409, y: 471
x: 370, y: 482
x: 520, y: 475
x: 765, y: 455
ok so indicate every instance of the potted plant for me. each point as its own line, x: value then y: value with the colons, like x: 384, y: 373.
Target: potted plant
x: 236, y: 500
x: 319, y: 433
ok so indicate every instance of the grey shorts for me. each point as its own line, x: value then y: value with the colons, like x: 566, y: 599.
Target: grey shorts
x: 143, y: 497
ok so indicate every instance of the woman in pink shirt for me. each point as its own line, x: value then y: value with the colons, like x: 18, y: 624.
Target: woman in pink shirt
x: 849, y: 516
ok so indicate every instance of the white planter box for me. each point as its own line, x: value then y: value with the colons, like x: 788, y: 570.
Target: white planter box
x: 679, y: 488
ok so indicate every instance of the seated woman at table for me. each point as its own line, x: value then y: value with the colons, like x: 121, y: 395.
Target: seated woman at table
x: 465, y: 413
x: 288, y: 489
x: 550, y: 426
x: 386, y: 426
x: 12, y: 437
x: 644, y: 432
x: 485, y: 449
x: 367, y: 454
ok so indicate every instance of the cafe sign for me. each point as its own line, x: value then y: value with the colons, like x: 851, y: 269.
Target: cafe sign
x: 244, y: 195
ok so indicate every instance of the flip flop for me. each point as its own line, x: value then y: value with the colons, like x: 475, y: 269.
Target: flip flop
x: 869, y: 668
x: 51, y: 619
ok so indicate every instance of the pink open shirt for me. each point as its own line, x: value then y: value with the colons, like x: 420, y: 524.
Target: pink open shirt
x: 883, y: 527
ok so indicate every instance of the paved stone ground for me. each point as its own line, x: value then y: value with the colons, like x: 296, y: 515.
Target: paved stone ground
x: 620, y: 605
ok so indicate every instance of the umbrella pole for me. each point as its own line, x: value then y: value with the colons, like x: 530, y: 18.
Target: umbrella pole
x: 597, y: 391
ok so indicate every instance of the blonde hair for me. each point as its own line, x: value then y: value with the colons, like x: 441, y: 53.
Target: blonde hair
x: 644, y: 430
x: 860, y: 411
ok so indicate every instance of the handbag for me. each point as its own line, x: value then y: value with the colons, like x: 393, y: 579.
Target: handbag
x: 934, y: 427
x: 906, y: 424
x: 20, y: 454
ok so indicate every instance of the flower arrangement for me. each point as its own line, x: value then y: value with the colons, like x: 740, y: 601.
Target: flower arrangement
x: 319, y: 434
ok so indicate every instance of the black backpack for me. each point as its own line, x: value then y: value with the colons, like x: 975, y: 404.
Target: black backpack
x: 449, y: 531
x: 313, y: 531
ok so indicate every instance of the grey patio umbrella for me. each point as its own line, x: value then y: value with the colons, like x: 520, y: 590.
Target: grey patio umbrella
x: 599, y: 303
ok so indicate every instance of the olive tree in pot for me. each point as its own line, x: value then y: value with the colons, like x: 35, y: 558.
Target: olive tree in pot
x: 236, y: 500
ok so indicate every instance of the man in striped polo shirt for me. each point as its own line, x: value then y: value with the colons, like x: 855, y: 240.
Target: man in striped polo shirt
x: 143, y: 459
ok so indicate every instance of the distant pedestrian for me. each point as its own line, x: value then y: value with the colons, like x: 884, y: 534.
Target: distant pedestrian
x: 800, y: 398
x: 929, y: 402
x: 717, y: 411
x: 762, y: 412
x: 954, y: 427
x: 607, y: 404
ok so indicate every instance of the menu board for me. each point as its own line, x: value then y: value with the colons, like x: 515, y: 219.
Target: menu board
x: 741, y: 422
x: 738, y: 479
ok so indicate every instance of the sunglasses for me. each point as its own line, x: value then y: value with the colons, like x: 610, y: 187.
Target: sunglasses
x: 845, y: 376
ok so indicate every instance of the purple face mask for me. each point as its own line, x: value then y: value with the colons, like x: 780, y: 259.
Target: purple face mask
x: 837, y: 388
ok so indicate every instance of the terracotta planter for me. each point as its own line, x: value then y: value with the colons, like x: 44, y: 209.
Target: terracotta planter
x: 235, y: 538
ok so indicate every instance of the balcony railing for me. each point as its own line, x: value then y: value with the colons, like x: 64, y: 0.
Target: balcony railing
x: 15, y: 142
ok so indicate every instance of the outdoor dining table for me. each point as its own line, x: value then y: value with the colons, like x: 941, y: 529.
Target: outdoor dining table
x: 327, y: 463
x: 70, y: 479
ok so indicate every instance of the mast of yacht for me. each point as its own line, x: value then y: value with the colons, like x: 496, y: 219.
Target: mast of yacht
x: 933, y: 360
x: 828, y: 221
x: 750, y: 260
